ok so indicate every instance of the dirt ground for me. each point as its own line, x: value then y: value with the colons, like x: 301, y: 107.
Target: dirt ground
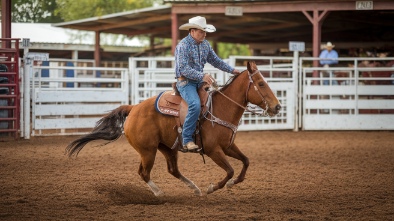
x: 292, y: 176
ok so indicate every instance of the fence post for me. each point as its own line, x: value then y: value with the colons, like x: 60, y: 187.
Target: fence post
x: 297, y: 79
x: 26, y: 94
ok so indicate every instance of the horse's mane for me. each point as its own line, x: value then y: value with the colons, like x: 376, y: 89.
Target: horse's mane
x: 230, y: 80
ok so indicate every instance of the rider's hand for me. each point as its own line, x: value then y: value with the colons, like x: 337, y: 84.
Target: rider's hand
x: 208, y: 78
x: 236, y: 72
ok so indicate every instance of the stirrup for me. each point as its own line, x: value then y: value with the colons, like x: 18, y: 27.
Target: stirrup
x: 185, y: 150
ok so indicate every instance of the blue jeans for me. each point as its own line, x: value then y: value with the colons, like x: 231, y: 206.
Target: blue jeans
x: 188, y: 90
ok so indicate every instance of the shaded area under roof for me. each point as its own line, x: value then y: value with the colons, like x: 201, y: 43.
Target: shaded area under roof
x: 268, y: 23
x: 146, y: 21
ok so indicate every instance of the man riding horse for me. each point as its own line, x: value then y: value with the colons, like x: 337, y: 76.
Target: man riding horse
x: 191, y: 54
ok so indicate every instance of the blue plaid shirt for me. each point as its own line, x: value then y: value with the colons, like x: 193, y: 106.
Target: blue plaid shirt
x: 190, y: 58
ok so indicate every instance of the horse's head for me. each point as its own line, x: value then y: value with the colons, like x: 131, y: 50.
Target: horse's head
x: 260, y: 93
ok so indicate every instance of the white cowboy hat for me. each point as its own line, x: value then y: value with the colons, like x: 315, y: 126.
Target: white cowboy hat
x: 199, y: 23
x: 329, y: 45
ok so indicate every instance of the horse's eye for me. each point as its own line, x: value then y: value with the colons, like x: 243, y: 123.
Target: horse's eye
x: 261, y: 84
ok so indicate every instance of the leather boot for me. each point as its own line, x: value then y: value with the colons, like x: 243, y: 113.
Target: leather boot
x: 191, y: 146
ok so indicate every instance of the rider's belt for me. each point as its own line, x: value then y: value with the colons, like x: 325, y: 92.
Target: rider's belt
x: 181, y: 78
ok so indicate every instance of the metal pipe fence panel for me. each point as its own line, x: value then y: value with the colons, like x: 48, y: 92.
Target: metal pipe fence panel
x: 65, y: 104
x: 356, y: 96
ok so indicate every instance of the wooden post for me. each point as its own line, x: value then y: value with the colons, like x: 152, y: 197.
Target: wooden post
x: 97, y: 58
x: 6, y: 22
x: 174, y: 31
x: 317, y: 22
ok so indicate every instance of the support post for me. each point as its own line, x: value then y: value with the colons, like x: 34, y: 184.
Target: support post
x: 27, y: 70
x: 317, y: 21
x: 297, y: 80
x: 74, y: 55
x: 174, y: 31
x: 6, y: 22
x: 97, y: 58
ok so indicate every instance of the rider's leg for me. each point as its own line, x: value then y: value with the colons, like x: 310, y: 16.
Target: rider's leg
x: 188, y: 90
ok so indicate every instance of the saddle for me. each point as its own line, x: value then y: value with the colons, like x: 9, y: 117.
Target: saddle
x: 171, y: 103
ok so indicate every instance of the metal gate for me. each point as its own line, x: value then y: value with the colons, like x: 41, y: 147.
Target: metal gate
x: 70, y: 100
x: 150, y: 76
x: 354, y: 98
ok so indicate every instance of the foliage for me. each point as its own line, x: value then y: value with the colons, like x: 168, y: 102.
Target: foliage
x: 70, y: 10
x: 37, y: 11
x: 227, y: 49
x: 54, y: 11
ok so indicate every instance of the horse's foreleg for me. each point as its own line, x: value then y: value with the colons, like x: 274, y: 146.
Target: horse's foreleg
x: 234, y: 152
x: 146, y: 165
x: 172, y: 166
x: 220, y: 159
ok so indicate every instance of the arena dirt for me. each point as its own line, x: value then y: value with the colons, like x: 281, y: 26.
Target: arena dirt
x: 292, y: 176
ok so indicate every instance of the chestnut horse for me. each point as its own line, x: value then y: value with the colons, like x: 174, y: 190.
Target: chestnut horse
x: 148, y: 130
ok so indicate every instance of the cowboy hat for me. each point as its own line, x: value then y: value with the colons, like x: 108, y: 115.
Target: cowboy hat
x: 329, y: 45
x: 199, y: 23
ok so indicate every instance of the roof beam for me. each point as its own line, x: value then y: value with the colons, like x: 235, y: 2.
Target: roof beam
x: 256, y: 29
x: 258, y: 7
x: 132, y: 22
x: 150, y: 31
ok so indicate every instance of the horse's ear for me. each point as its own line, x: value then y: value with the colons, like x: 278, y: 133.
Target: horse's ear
x: 251, y: 66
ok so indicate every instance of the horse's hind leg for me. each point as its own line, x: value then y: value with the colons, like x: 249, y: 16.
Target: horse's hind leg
x: 172, y: 166
x: 234, y: 152
x: 146, y: 165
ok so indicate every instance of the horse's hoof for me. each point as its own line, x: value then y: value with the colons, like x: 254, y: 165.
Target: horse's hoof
x: 210, y: 189
x: 198, y: 192
x: 159, y: 193
x: 230, y: 183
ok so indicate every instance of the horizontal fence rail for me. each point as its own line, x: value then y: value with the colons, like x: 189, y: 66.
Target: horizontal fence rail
x: 69, y: 96
x: 357, y: 96
x: 64, y: 103
x: 281, y: 74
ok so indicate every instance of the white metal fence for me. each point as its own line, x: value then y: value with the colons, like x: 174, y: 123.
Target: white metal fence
x: 69, y: 99
x: 357, y: 96
x: 69, y: 102
x: 281, y: 74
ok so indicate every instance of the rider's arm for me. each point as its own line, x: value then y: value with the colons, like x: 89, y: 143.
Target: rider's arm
x: 217, y: 62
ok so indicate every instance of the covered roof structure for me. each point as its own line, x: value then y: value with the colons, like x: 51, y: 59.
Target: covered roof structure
x: 260, y: 23
x: 68, y: 43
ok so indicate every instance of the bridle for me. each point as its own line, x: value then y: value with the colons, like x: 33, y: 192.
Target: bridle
x: 233, y: 127
x: 248, y: 109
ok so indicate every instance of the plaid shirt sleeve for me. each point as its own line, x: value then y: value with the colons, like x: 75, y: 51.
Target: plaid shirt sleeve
x: 191, y: 57
x: 217, y: 62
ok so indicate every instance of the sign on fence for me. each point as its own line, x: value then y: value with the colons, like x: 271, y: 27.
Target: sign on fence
x: 296, y: 46
x: 233, y: 11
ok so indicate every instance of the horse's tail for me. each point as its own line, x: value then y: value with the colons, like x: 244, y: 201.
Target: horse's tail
x: 109, y: 128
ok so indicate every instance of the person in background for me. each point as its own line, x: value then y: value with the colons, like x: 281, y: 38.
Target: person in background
x: 191, y: 54
x: 328, y: 58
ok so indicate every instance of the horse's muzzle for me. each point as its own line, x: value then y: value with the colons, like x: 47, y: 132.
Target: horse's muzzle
x: 277, y: 108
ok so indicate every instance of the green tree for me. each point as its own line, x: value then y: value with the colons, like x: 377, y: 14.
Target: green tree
x: 70, y: 10
x: 227, y: 49
x: 36, y: 11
